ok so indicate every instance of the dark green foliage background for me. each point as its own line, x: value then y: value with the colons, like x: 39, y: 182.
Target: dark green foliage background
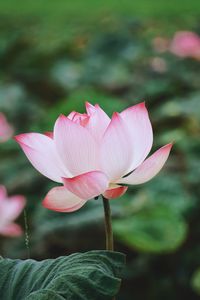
x: 53, y: 57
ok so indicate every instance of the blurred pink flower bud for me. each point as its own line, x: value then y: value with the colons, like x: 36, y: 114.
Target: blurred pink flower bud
x: 91, y: 154
x: 158, y: 64
x: 6, y: 130
x: 160, y: 44
x: 10, y: 209
x: 186, y: 44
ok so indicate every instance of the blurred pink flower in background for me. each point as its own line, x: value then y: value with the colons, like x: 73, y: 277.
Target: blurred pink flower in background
x: 6, y: 130
x: 91, y: 154
x: 10, y: 208
x: 186, y: 44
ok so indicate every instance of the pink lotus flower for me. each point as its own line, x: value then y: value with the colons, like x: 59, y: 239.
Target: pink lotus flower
x: 186, y: 44
x: 6, y: 131
x: 91, y: 154
x: 10, y: 209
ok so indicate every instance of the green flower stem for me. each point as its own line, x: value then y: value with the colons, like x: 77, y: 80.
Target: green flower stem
x: 108, y: 225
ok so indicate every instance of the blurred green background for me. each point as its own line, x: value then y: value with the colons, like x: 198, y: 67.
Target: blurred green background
x: 56, y: 55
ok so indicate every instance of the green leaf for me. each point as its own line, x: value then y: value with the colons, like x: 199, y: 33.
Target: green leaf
x: 91, y: 275
x: 195, y: 282
x: 155, y: 230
